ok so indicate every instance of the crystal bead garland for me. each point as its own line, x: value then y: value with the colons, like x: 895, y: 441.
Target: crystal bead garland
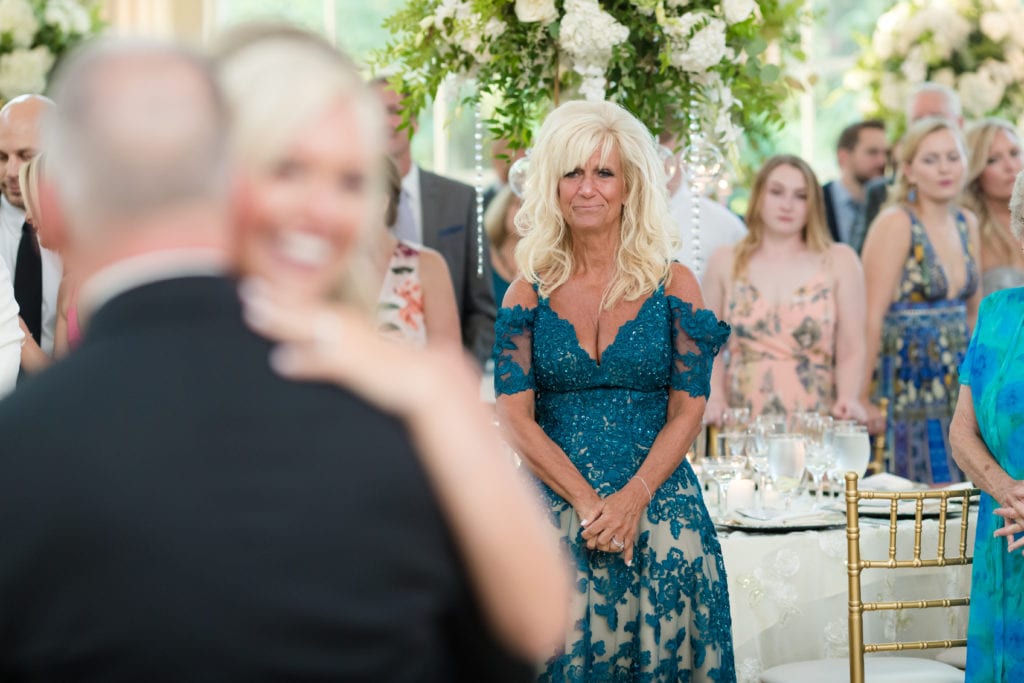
x: 704, y: 162
x: 692, y: 160
x: 478, y: 160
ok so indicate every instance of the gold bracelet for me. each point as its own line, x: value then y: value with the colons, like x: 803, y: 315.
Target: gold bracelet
x: 649, y: 494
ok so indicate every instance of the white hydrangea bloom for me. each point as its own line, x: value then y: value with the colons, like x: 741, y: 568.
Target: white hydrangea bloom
x: 542, y: 11
x: 892, y: 92
x: 945, y: 77
x: 588, y: 33
x: 914, y: 68
x: 1015, y: 60
x: 18, y: 19
x: 24, y: 71
x: 67, y: 15
x: 979, y: 93
x: 995, y: 25
x: 737, y: 10
x: 705, y: 49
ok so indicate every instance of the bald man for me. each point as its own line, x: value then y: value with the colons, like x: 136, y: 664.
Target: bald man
x: 36, y: 271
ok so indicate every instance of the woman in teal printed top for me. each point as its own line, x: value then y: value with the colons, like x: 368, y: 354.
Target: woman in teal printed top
x: 602, y: 366
x: 988, y: 443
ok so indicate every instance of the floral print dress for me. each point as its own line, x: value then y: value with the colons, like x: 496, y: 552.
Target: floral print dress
x: 924, y: 338
x: 666, y: 617
x: 400, y: 305
x: 782, y: 354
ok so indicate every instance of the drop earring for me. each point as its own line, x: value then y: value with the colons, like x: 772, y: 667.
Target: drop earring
x: 912, y: 194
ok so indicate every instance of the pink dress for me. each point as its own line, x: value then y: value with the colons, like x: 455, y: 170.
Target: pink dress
x: 782, y: 355
x: 74, y: 331
x: 400, y: 304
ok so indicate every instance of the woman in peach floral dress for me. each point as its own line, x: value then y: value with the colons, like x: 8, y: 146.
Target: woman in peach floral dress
x: 417, y: 300
x: 795, y: 302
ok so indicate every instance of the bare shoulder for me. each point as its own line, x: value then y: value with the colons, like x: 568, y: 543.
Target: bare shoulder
x: 889, y: 233
x: 843, y: 256
x: 520, y: 293
x: 683, y: 285
x: 432, y: 263
x: 721, y: 259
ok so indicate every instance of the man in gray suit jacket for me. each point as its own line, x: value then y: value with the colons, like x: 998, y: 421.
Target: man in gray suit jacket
x: 441, y: 214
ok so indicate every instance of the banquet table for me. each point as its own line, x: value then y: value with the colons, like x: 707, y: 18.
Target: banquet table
x: 788, y: 592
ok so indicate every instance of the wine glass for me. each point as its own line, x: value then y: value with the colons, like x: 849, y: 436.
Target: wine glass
x: 786, y: 461
x: 735, y: 419
x: 852, y: 447
x: 722, y: 470
x: 757, y: 456
x: 820, y: 456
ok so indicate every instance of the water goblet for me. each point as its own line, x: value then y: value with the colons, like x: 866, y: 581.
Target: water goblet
x: 786, y: 463
x: 757, y: 456
x: 722, y: 470
x: 852, y: 447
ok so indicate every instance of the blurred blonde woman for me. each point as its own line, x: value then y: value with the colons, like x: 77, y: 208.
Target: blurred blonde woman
x: 417, y: 301
x: 67, y: 333
x: 994, y: 160
x: 920, y: 263
x: 795, y: 301
x: 308, y: 159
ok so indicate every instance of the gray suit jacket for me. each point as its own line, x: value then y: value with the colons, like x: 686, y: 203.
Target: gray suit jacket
x: 449, y: 226
x: 876, y: 192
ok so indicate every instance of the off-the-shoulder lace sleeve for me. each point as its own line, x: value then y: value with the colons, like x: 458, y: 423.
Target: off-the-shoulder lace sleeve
x: 697, y: 337
x: 513, y: 349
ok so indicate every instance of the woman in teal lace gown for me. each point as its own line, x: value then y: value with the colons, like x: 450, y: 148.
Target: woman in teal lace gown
x: 602, y: 365
x: 922, y: 295
x: 988, y: 443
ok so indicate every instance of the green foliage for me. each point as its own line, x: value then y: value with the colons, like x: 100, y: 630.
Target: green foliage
x: 526, y: 69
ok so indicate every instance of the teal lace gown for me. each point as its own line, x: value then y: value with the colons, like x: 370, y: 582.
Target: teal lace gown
x: 666, y: 618
x: 994, y: 369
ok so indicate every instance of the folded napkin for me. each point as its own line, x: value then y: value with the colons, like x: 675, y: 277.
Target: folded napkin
x: 887, y: 482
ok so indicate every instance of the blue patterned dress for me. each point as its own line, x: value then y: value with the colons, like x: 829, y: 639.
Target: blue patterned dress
x: 666, y: 618
x: 994, y: 369
x: 924, y: 336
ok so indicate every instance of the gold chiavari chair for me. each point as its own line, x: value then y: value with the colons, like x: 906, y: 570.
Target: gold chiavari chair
x: 894, y: 669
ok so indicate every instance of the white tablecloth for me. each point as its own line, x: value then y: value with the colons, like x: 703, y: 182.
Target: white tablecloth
x: 789, y: 593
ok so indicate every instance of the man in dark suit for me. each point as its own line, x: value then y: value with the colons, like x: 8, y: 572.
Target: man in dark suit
x: 440, y: 213
x: 927, y: 99
x: 861, y: 152
x: 185, y: 513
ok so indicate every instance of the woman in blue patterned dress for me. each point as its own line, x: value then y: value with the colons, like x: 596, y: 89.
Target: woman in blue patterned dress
x: 923, y: 295
x: 989, y: 445
x: 602, y: 365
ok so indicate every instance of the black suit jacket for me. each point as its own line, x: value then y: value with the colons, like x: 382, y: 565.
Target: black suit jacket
x: 172, y: 510
x: 449, y: 226
x: 876, y: 193
x: 830, y: 210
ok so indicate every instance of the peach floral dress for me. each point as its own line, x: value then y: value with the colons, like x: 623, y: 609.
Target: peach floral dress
x: 782, y: 354
x: 400, y: 304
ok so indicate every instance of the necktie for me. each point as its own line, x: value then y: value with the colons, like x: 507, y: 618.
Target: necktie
x: 405, y: 224
x: 28, y: 281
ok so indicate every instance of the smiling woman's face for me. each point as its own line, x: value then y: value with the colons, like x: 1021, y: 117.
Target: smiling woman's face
x: 591, y: 196
x: 308, y: 209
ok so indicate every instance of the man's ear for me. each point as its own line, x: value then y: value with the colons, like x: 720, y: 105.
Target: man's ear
x: 842, y: 156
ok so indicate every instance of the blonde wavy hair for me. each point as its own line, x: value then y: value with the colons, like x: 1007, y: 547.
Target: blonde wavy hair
x: 980, y: 136
x: 815, y: 232
x: 313, y: 76
x: 28, y: 181
x: 568, y: 138
x: 908, y: 146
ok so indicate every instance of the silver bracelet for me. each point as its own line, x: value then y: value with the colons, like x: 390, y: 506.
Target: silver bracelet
x: 649, y: 494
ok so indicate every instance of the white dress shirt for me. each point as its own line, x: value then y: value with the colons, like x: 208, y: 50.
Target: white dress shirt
x: 719, y: 226
x: 11, y: 220
x: 11, y: 336
x: 411, y: 198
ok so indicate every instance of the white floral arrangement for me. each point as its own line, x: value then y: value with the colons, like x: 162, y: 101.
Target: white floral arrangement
x: 34, y: 34
x: 976, y: 47
x: 652, y: 56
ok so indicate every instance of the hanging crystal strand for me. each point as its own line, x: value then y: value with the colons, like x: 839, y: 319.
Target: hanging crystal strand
x: 692, y: 161
x: 478, y: 160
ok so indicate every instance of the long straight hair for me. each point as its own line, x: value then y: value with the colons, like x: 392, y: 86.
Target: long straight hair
x: 815, y: 233
x: 980, y: 137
